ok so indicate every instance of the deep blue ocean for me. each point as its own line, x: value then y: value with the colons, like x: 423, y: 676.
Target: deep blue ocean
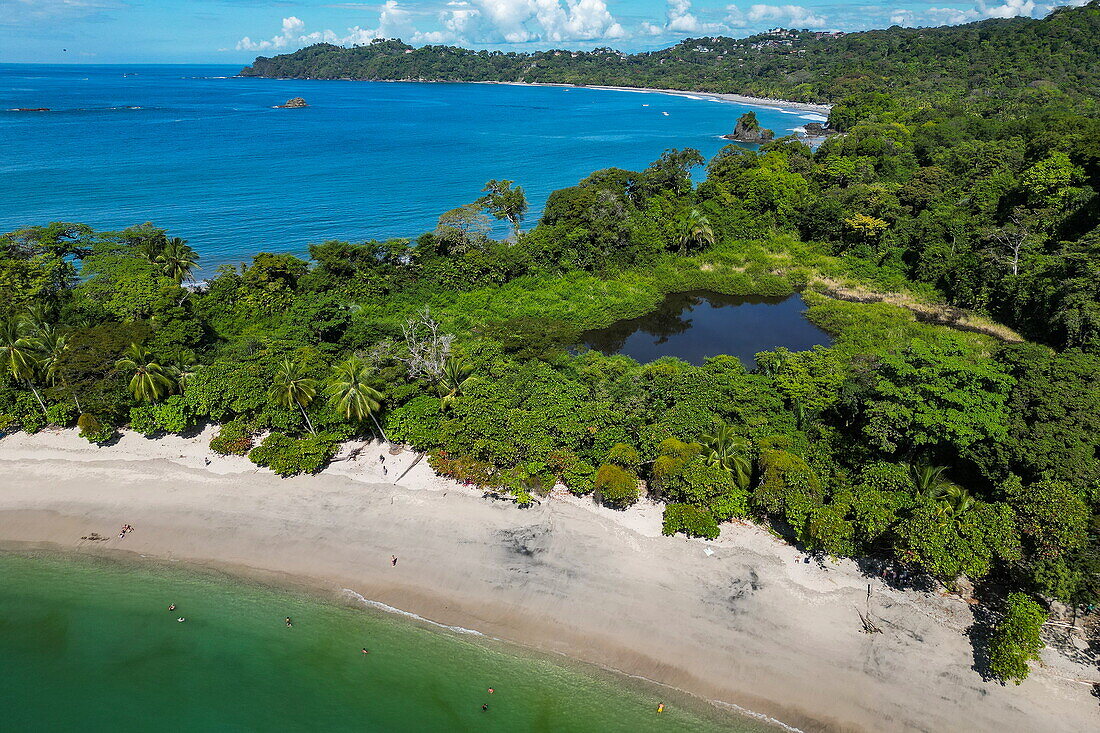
x: 206, y: 155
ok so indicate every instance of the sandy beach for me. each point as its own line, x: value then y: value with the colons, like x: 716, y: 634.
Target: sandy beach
x: 822, y: 109
x: 741, y: 620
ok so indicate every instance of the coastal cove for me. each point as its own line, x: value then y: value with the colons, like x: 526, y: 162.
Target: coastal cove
x: 203, y: 153
x: 758, y: 628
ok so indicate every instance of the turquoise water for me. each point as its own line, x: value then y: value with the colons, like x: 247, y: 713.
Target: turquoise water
x: 89, y: 644
x: 208, y: 157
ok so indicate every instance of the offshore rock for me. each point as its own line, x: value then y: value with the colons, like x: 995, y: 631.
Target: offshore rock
x: 748, y: 130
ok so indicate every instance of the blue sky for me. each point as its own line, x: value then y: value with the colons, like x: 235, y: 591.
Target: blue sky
x: 235, y: 31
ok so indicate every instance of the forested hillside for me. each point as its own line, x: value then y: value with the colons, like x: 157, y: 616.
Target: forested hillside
x: 985, y: 58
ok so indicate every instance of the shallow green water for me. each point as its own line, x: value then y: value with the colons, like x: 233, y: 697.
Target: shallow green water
x: 89, y: 644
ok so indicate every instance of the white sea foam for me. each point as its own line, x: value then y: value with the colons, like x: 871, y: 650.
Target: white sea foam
x: 473, y: 632
x: 815, y: 117
x: 408, y: 614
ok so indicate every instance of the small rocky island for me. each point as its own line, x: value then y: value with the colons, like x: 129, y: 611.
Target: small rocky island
x: 295, y: 103
x: 748, y: 130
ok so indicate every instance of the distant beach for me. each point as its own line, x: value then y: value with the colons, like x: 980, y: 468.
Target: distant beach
x: 742, y: 620
x: 782, y: 104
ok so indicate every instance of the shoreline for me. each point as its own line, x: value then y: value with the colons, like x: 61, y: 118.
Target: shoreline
x: 744, y: 99
x: 746, y: 625
x: 823, y: 109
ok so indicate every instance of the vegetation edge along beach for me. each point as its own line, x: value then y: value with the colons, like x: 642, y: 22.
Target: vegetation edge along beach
x: 942, y: 452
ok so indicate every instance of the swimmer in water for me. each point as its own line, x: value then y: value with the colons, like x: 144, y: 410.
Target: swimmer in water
x: 288, y: 622
x: 491, y: 690
x: 485, y: 706
x: 181, y: 619
x: 661, y: 707
x: 365, y: 650
x: 172, y: 607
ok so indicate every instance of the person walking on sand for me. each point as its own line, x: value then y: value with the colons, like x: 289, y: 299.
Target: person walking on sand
x: 393, y: 560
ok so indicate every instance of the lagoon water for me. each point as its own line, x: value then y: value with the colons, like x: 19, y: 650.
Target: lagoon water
x: 209, y: 158
x: 695, y: 325
x: 89, y: 644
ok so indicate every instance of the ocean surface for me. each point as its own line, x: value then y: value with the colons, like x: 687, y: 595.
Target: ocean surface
x: 89, y: 644
x: 205, y: 155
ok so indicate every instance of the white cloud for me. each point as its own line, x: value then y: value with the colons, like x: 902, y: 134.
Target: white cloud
x: 1007, y: 9
x: 794, y: 14
x: 463, y: 21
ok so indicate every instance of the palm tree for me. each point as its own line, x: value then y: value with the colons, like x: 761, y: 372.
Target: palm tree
x: 696, y: 231
x: 727, y: 449
x: 929, y: 481
x: 955, y: 501
x: 150, y: 381
x: 177, y: 259
x: 454, y: 380
x: 291, y: 386
x: 349, y: 392
x: 53, y: 345
x: 19, y: 355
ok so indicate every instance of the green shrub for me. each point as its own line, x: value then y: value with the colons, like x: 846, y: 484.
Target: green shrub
x: 288, y: 456
x: 624, y: 456
x: 1016, y: 639
x: 616, y: 486
x: 691, y: 520
x: 61, y: 414
x: 143, y: 420
x: 233, y: 439
x: 92, y: 430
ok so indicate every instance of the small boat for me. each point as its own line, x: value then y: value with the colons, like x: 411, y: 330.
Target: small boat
x: 665, y: 114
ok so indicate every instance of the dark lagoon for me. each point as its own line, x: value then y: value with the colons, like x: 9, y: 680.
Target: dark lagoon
x: 696, y: 325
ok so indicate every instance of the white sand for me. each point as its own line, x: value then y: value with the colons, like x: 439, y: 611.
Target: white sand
x: 748, y: 625
x: 783, y: 104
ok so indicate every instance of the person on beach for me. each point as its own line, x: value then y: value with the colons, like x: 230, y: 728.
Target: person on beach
x: 288, y: 624
x: 393, y: 560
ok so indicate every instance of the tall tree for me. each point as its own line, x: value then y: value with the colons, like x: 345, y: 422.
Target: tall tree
x: 505, y: 202
x: 696, y: 232
x: 151, y: 381
x: 291, y: 386
x: 19, y: 355
x: 177, y: 260
x: 350, y: 392
x: 52, y: 347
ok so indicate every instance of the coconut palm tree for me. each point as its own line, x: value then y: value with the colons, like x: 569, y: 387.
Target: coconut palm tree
x: 291, y: 386
x: 52, y: 346
x: 177, y: 259
x: 349, y: 392
x: 696, y: 231
x: 19, y: 355
x: 955, y: 501
x: 729, y: 450
x: 930, y: 481
x: 454, y: 380
x: 151, y: 381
